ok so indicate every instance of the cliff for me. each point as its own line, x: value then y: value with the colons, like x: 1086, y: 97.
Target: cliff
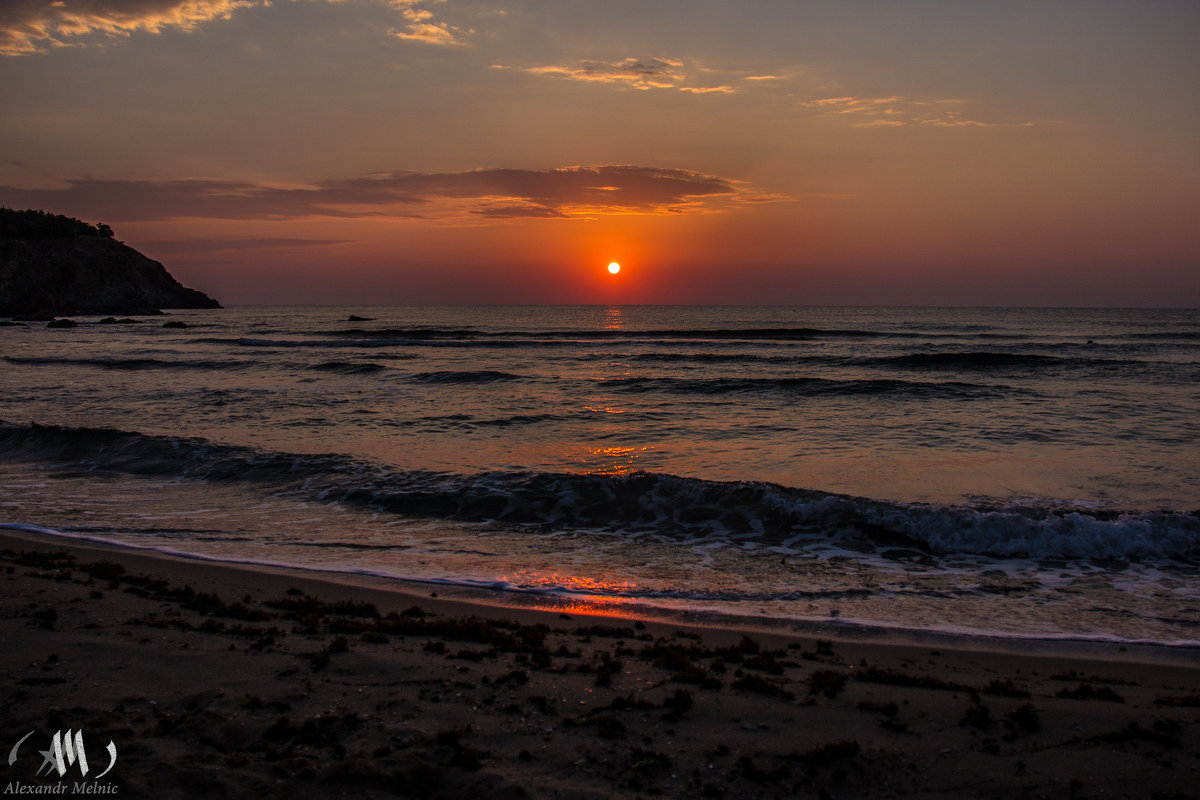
x: 52, y: 265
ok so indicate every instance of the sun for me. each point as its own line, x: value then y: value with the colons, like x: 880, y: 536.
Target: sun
x: 614, y: 268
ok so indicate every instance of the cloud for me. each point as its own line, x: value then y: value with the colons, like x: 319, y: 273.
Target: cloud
x: 637, y: 73
x: 37, y: 26
x: 853, y: 105
x: 896, y: 112
x: 177, y: 246
x: 651, y: 73
x: 518, y: 211
x: 493, y: 193
x: 155, y: 200
x: 707, y: 89
x: 422, y: 28
x: 34, y: 26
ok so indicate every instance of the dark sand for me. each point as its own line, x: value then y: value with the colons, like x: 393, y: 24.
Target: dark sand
x: 221, y: 681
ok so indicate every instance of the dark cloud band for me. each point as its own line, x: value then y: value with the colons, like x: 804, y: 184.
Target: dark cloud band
x: 490, y: 193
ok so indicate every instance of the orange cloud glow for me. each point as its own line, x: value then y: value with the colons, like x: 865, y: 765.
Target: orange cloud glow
x: 421, y: 28
x: 650, y: 73
x: 895, y: 112
x: 637, y: 73
x: 36, y: 26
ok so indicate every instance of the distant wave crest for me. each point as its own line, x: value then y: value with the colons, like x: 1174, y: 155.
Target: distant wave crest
x: 806, y: 386
x: 464, y: 376
x: 742, y: 334
x: 131, y: 363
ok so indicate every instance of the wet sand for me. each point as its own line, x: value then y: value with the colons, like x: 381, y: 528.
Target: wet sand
x: 214, y: 680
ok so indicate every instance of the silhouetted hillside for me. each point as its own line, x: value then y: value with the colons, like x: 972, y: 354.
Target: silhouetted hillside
x: 51, y: 265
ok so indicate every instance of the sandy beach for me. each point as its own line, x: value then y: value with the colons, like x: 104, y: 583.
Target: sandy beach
x: 214, y: 680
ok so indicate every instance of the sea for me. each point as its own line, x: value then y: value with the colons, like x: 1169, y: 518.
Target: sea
x: 1026, y: 474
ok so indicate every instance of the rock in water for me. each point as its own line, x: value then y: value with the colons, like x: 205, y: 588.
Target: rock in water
x: 52, y: 265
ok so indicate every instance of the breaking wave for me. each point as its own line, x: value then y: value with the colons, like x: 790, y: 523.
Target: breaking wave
x: 674, y: 507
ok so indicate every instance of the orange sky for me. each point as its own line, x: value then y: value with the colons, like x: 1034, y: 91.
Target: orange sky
x: 399, y: 151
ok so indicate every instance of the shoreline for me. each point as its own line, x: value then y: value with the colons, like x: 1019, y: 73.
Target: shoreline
x: 214, y: 679
x: 610, y: 609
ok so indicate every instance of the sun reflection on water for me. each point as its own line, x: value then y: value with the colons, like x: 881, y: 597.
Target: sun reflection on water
x: 606, y: 410
x: 611, y: 460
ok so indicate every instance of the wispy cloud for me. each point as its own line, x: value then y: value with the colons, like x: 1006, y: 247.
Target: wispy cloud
x: 490, y: 193
x: 649, y: 73
x: 174, y: 246
x: 509, y: 210
x: 636, y: 73
x: 852, y: 105
x: 896, y: 112
x: 421, y: 27
x: 33, y: 26
x: 707, y: 89
x: 37, y: 26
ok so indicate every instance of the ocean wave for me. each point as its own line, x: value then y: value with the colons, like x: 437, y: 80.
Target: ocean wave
x: 245, y: 341
x: 517, y: 420
x: 348, y: 367
x: 464, y: 376
x: 736, y: 356
x: 1190, y: 335
x: 131, y: 363
x: 985, y: 360
x: 807, y: 387
x: 680, y: 508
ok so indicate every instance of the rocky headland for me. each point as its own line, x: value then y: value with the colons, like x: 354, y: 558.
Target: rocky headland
x: 51, y: 265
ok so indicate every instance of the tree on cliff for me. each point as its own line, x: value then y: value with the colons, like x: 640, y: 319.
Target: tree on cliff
x: 39, y: 225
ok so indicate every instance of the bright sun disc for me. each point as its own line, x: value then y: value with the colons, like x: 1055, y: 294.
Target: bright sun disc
x: 614, y: 268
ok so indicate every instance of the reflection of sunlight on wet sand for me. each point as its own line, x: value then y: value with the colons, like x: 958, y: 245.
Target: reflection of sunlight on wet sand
x: 609, y: 607
x: 603, y: 605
